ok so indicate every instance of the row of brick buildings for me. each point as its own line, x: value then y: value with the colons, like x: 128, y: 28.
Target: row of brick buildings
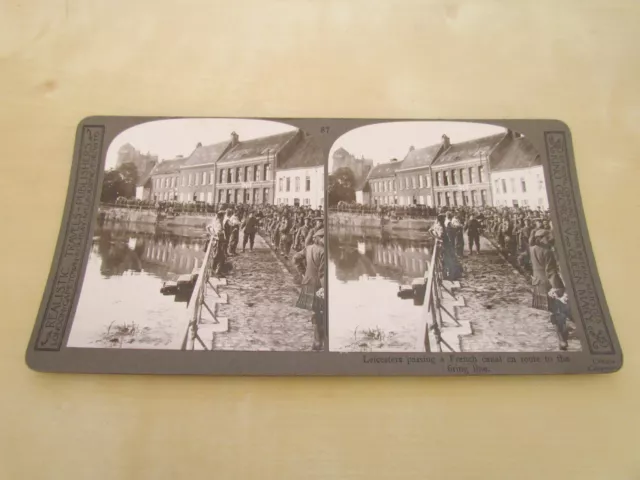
x: 286, y: 168
x: 503, y: 169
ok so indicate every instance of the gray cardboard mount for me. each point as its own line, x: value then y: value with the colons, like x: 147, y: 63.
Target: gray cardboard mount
x: 47, y: 351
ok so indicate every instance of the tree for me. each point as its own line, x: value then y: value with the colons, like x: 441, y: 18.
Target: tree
x: 341, y: 186
x: 119, y: 182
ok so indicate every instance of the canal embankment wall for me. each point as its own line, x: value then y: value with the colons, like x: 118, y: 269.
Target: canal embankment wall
x: 346, y: 219
x: 130, y: 215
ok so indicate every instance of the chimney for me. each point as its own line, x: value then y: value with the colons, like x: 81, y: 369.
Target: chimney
x: 393, y: 160
x: 199, y: 145
x: 234, y: 139
x: 412, y: 148
x: 445, y: 141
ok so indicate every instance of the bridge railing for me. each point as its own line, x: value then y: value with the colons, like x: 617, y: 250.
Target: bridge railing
x: 198, y: 302
x: 433, y: 305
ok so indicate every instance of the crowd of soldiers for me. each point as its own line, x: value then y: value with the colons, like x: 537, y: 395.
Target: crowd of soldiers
x: 524, y: 236
x: 295, y: 232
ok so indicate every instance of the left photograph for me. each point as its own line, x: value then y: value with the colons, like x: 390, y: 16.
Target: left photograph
x: 209, y: 236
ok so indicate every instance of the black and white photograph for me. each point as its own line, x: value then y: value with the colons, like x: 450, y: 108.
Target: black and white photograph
x: 441, y: 239
x: 209, y: 235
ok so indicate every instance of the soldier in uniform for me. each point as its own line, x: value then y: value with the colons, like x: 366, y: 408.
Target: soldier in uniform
x: 473, y: 233
x: 285, y: 234
x: 249, y: 228
x: 234, y: 232
x: 302, y: 233
x: 318, y: 226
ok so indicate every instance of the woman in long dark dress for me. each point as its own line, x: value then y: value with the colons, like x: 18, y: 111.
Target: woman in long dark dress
x: 548, y: 287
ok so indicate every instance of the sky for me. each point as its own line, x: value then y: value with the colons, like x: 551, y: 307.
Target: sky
x: 170, y: 138
x: 384, y: 141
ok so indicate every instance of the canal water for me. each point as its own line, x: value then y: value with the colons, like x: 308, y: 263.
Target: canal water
x: 366, y: 268
x: 120, y: 302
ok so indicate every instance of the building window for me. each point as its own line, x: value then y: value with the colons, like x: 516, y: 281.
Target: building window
x: 481, y: 174
x: 265, y: 195
x: 483, y: 196
x: 454, y: 175
x: 228, y: 175
x: 472, y: 178
x: 525, y: 202
x: 513, y: 185
x: 246, y: 174
x: 196, y: 179
x: 523, y: 184
x: 427, y: 179
x: 267, y: 172
x: 288, y: 184
x: 447, y: 198
x: 221, y: 179
x: 220, y: 195
x: 297, y: 184
x: 414, y: 182
x: 212, y: 177
x: 438, y: 183
x: 540, y: 182
x: 280, y: 183
x: 204, y: 178
x: 307, y: 184
x: 540, y: 202
x: 190, y: 179
x: 238, y: 174
x: 497, y: 186
x: 445, y: 176
x: 421, y: 181
x: 474, y: 198
x: 515, y: 203
x: 462, y: 176
x: 504, y: 186
x: 455, y: 199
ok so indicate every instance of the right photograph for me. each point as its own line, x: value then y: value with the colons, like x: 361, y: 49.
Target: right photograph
x: 440, y: 239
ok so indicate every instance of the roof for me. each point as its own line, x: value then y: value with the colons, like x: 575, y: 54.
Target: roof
x: 340, y: 153
x: 307, y: 153
x: 257, y: 147
x: 383, y: 170
x: 168, y: 166
x: 146, y: 175
x: 206, y: 155
x: 476, y: 148
x: 420, y: 157
x: 517, y: 153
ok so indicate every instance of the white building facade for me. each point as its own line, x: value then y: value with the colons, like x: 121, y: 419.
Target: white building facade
x: 520, y: 187
x: 300, y: 186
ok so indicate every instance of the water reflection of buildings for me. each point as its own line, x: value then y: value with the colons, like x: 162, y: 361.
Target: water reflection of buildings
x: 160, y: 254
x: 397, y: 259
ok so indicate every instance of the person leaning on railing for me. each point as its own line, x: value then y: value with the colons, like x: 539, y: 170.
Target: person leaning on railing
x: 216, y: 230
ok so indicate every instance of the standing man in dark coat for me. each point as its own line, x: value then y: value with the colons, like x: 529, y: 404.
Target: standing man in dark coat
x: 472, y: 228
x: 249, y: 228
x: 313, y: 284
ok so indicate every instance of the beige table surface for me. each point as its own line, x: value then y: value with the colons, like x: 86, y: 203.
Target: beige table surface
x: 62, y: 60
